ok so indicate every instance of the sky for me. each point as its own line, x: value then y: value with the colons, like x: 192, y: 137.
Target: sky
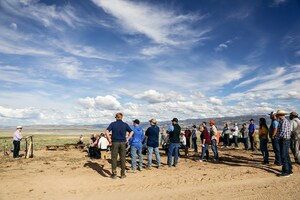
x: 81, y: 62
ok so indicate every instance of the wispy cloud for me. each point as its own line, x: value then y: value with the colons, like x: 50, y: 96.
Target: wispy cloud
x: 72, y: 68
x: 161, y: 25
x: 47, y: 15
x: 277, y: 3
x: 223, y: 46
x: 276, y: 74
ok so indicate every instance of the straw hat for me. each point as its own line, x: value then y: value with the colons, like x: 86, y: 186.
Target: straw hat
x: 153, y: 121
x: 19, y: 127
x: 281, y: 112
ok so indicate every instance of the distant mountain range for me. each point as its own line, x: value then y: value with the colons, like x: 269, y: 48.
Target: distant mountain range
x: 187, y: 123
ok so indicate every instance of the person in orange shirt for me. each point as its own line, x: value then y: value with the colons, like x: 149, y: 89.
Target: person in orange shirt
x: 263, y: 138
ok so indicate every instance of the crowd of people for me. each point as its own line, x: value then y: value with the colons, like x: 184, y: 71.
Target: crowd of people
x: 284, y: 134
x: 119, y: 138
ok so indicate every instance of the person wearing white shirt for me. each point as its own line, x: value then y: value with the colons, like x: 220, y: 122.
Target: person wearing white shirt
x: 17, y: 137
x: 183, y: 143
x: 102, y: 145
x: 182, y: 139
x: 235, y: 132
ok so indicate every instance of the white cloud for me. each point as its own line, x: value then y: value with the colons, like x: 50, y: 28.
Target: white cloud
x: 153, y: 96
x: 278, y: 72
x: 215, y: 100
x: 48, y: 15
x: 25, y: 113
x: 72, y: 68
x: 213, y: 76
x: 107, y: 102
x: 155, y: 50
x: 223, y: 46
x: 14, y: 26
x: 161, y: 25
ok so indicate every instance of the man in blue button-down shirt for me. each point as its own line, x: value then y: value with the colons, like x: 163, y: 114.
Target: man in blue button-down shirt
x: 118, y: 140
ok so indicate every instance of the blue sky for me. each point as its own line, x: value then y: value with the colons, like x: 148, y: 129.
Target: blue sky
x: 80, y: 62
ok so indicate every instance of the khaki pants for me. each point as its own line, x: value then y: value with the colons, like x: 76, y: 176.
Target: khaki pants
x: 103, y: 154
x: 295, y: 147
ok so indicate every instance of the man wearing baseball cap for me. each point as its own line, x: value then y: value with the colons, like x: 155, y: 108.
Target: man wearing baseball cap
x: 174, y: 138
x: 136, y: 146
x: 17, y: 141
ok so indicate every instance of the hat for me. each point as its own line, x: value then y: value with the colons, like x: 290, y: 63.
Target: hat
x: 294, y: 114
x: 174, y: 120
x: 281, y: 112
x: 181, y: 133
x: 153, y: 121
x: 272, y: 113
x: 136, y: 121
x: 211, y: 122
x: 19, y: 127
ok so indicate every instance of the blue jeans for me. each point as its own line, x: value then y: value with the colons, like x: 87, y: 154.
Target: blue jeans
x: 285, y: 156
x: 133, y: 151
x: 204, y: 150
x: 157, y: 156
x: 246, y: 144
x: 16, y: 148
x: 214, y: 148
x: 264, y: 149
x: 226, y: 140
x: 173, y: 147
x: 276, y: 149
x: 235, y: 139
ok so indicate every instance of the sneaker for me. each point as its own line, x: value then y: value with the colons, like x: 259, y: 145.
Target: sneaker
x: 131, y: 171
x: 200, y: 160
x: 284, y: 175
x: 123, y: 176
x: 140, y: 169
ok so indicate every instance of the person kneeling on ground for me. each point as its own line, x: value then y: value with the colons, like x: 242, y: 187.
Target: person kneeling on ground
x: 183, y: 143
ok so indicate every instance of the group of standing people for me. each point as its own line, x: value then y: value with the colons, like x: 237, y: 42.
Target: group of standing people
x: 285, y: 135
x: 135, y: 138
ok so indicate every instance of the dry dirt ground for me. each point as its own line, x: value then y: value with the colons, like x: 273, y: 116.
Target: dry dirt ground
x: 72, y: 175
